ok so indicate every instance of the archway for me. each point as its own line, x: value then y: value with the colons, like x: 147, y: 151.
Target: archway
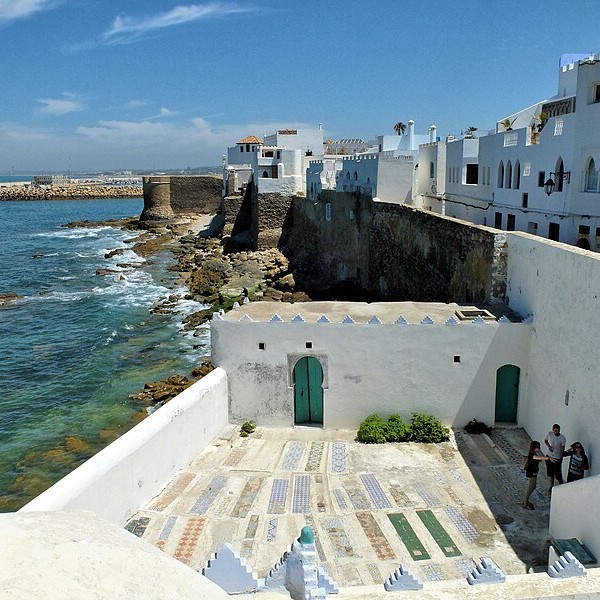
x: 507, y: 393
x: 308, y: 391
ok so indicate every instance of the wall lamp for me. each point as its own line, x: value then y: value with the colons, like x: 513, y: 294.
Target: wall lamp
x: 561, y: 175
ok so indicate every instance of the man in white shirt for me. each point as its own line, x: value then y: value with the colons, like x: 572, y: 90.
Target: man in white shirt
x: 556, y: 443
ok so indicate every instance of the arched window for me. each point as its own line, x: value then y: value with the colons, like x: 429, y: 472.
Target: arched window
x: 348, y: 175
x: 559, y: 170
x: 501, y: 175
x: 265, y: 175
x: 509, y: 174
x: 355, y: 176
x: 517, y: 180
x: 591, y: 176
x: 431, y: 170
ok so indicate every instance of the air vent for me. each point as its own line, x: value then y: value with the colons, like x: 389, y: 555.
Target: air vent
x: 468, y: 314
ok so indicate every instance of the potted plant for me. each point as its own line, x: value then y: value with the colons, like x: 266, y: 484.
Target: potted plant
x: 507, y: 123
x: 543, y: 119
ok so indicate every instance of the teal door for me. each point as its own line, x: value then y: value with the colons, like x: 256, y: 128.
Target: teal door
x: 507, y: 393
x: 308, y: 391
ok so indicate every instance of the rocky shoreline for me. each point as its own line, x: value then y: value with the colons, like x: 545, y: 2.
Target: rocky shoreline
x: 68, y: 192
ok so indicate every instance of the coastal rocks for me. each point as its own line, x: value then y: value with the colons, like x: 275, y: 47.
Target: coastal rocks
x: 69, y: 192
x: 8, y: 298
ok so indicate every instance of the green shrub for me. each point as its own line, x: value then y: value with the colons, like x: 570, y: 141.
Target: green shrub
x: 248, y: 427
x: 475, y: 426
x: 372, y: 430
x: 396, y: 430
x: 428, y: 429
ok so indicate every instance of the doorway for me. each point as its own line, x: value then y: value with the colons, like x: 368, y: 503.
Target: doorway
x: 308, y: 391
x: 507, y: 393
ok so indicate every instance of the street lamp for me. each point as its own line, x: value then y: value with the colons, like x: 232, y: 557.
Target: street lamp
x: 561, y: 175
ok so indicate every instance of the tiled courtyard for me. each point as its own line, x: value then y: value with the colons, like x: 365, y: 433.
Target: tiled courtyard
x: 434, y: 509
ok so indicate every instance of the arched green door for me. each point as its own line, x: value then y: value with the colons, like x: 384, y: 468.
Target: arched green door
x: 308, y: 391
x: 507, y: 393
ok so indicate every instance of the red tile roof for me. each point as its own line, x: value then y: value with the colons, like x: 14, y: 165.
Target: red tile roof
x: 251, y: 139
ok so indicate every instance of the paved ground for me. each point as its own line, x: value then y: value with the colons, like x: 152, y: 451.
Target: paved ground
x: 434, y: 509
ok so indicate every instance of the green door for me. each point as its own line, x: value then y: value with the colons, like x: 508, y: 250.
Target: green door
x: 308, y: 391
x: 507, y: 393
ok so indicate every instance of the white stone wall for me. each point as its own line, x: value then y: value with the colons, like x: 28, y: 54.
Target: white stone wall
x: 369, y: 368
x: 559, y: 285
x: 115, y: 482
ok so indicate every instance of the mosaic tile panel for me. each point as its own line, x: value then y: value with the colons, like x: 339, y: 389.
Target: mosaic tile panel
x: 247, y: 497
x: 433, y: 572
x: 514, y: 443
x: 301, y: 497
x: 400, y: 497
x: 378, y: 540
x: 278, y: 497
x: 454, y: 496
x: 252, y: 527
x: 357, y: 497
x: 338, y: 538
x: 166, y: 532
x: 315, y: 455
x: 375, y: 491
x: 462, y: 524
x: 491, y: 455
x: 272, y: 530
x: 234, y: 458
x: 246, y: 549
x: 138, y: 526
x: 339, y: 457
x: 429, y: 497
x: 209, y: 495
x: 189, y: 539
x: 506, y: 485
x: 293, y: 455
x: 375, y: 573
x: 339, y: 497
x: 465, y: 566
x: 173, y: 491
x: 456, y: 474
x: 447, y: 452
x: 311, y: 522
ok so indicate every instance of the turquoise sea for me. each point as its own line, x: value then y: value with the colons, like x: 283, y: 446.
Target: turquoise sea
x: 78, y: 343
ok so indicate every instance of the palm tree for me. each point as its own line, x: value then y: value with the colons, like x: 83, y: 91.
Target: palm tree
x: 400, y: 128
x: 470, y: 134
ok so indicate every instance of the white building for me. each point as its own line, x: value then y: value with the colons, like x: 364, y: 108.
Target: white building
x: 536, y: 172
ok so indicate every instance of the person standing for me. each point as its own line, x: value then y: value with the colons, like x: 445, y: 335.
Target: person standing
x: 556, y: 443
x: 534, y: 457
x: 579, y: 462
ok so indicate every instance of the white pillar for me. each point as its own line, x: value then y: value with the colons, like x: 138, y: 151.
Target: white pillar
x: 411, y: 134
x: 432, y: 133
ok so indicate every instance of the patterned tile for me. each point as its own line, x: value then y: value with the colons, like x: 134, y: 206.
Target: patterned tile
x: 166, y: 532
x: 338, y: 537
x: 189, y: 539
x: 456, y: 474
x: 173, y: 491
x: 252, y: 527
x: 400, y: 497
x: 357, y: 497
x: 465, y: 566
x: 301, y: 498
x: 315, y: 455
x: 311, y: 522
x: 293, y: 455
x: 428, y: 496
x: 272, y: 530
x: 339, y: 457
x: 378, y: 541
x: 375, y: 573
x: 339, y: 496
x: 246, y: 550
x: 234, y: 458
x: 433, y: 572
x: 506, y: 484
x: 375, y: 491
x: 462, y: 524
x: 247, y: 497
x: 138, y: 526
x: 490, y: 453
x: 278, y: 496
x: 208, y: 496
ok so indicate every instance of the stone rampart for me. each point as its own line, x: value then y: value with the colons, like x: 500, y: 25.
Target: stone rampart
x: 167, y: 196
x: 72, y: 191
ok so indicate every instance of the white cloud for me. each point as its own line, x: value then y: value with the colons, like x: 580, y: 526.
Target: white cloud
x: 11, y: 10
x: 126, y: 29
x: 59, y: 106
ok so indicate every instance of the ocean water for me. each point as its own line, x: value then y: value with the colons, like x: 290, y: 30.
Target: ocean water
x: 78, y: 343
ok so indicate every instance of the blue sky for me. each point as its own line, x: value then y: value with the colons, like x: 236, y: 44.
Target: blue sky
x: 107, y: 84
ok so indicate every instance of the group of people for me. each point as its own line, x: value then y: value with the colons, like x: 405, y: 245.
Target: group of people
x: 556, y: 443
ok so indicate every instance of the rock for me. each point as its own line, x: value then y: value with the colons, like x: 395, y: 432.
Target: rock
x: 8, y: 298
x: 115, y: 252
x: 286, y: 283
x: 106, y: 272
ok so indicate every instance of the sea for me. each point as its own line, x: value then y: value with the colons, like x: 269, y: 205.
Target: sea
x: 78, y: 343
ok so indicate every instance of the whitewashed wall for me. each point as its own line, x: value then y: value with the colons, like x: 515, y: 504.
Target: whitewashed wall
x: 368, y: 368
x: 560, y: 286
x: 575, y: 512
x: 115, y: 482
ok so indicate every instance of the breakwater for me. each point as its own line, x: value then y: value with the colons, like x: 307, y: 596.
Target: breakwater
x: 69, y: 192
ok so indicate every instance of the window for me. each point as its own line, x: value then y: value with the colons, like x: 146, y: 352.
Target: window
x: 472, y: 174
x: 525, y: 200
x: 511, y: 138
x: 559, y: 171
x: 247, y: 147
x: 591, y: 177
x: 558, y: 127
x: 509, y: 175
x: 510, y: 222
x: 265, y: 175
x: 278, y: 154
x: 328, y: 211
x: 261, y: 345
x: 526, y: 169
x: 584, y: 230
x: 309, y: 345
x: 541, y: 178
x: 431, y: 170
x: 501, y: 175
x: 597, y: 93
x: 498, y: 220
x: 554, y: 232
x: 517, y: 181
x: 532, y: 227
x: 241, y: 148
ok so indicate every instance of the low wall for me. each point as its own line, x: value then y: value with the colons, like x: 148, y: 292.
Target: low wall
x: 119, y: 479
x: 575, y: 512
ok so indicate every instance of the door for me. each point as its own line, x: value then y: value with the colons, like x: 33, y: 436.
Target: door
x: 507, y: 393
x: 308, y: 391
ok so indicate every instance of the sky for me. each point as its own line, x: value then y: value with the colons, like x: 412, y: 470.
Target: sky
x: 98, y: 85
